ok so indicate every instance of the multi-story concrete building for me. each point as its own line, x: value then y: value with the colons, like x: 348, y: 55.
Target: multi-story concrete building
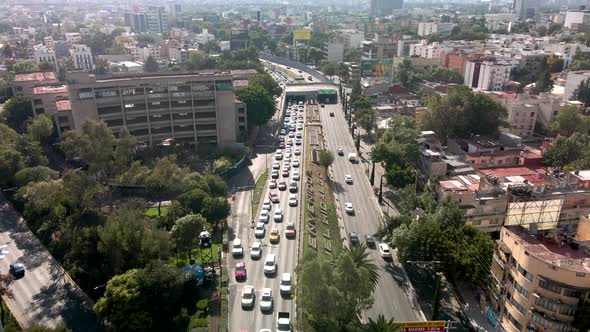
x: 49, y: 42
x: 239, y: 39
x: 82, y: 57
x: 334, y: 50
x: 424, y: 50
x: 204, y: 37
x: 197, y: 108
x: 73, y: 37
x: 419, y: 64
x: 487, y: 75
x: 157, y: 19
x: 136, y: 21
x: 351, y: 38
x: 23, y: 84
x: 386, y: 7
x: 403, y: 46
x: 574, y: 78
x: 142, y: 52
x: 566, y: 51
x: 43, y: 53
x: 578, y: 20
x: 525, y: 8
x: 538, y: 278
x: 430, y: 28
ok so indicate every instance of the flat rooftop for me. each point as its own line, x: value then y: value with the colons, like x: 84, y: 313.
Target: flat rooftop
x: 39, y: 90
x: 37, y: 76
x: 461, y: 184
x: 581, y: 175
x: 550, y: 250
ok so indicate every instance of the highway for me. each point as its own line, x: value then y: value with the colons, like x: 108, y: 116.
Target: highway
x: 45, y: 295
x: 390, y: 299
x: 285, y: 251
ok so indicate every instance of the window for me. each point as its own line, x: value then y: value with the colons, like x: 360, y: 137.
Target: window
x: 580, y: 274
x: 518, y: 306
x: 547, y: 304
x: 548, y: 285
x: 529, y: 276
x: 572, y: 293
x: 567, y: 310
x: 532, y: 114
x: 514, y: 322
x: 521, y: 290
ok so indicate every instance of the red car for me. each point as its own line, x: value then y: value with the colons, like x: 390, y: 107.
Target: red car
x: 285, y: 173
x: 273, y: 197
x: 282, y: 185
x: 240, y: 272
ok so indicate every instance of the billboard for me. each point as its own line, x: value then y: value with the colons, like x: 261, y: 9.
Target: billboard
x: 431, y: 326
x: 377, y: 68
x: 302, y: 34
x: 544, y: 214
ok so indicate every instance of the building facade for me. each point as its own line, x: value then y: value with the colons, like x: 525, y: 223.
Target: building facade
x: 525, y: 8
x: 486, y: 75
x: 574, y: 78
x: 82, y: 57
x: 43, y: 53
x: 136, y: 21
x: 196, y: 108
x: 539, y: 279
x: 386, y: 7
x: 157, y: 19
x: 430, y: 28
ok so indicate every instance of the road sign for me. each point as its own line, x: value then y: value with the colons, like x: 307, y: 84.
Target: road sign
x: 431, y: 326
x: 302, y: 34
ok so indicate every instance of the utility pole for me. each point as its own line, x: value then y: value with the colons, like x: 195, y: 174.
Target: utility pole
x: 372, y: 177
x: 381, y: 190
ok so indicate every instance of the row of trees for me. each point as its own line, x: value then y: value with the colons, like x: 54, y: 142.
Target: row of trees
x: 259, y: 97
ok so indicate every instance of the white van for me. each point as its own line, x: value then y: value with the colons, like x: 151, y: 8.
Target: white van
x: 352, y: 157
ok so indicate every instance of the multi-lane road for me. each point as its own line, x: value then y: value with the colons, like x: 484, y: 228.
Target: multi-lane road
x: 286, y: 252
x: 390, y: 299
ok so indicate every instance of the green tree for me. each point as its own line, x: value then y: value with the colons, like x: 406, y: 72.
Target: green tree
x: 406, y: 74
x: 17, y: 111
x: 366, y: 118
x: 363, y: 261
x: 360, y: 102
x: 185, y: 233
x: 151, y: 65
x: 569, y: 121
x: 554, y: 63
x: 399, y: 176
x: 352, y: 55
x: 165, y: 178
x: 7, y: 51
x: 94, y: 144
x: 566, y: 150
x: 40, y: 127
x: 268, y: 83
x: 11, y: 161
x: 34, y: 174
x: 328, y: 68
x: 216, y: 208
x: 128, y: 241
x: 582, y: 93
x: 326, y: 158
x: 381, y: 325
x: 21, y: 67
x: 462, y: 113
x: 135, y: 174
x: 7, y: 135
x: 145, y: 39
x: 544, y: 83
x: 31, y: 151
x: 45, y: 66
x: 260, y: 104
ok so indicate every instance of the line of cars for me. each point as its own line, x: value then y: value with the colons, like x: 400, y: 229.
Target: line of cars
x: 272, y: 212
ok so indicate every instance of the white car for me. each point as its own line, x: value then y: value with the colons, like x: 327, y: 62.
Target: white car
x: 348, y: 208
x: 298, y: 141
x: 384, y: 250
x: 278, y: 155
x: 348, y: 178
x: 236, y: 248
x: 291, y: 134
x: 286, y: 167
x: 297, y: 151
x: 266, y: 204
x: 264, y: 214
x: 299, y: 126
x: 276, y: 165
x: 260, y: 230
x: 256, y: 250
x: 295, y: 163
x: 248, y: 297
x: 285, y: 284
x: 299, y: 133
x: 295, y: 176
x: 287, y: 155
x: 266, y: 299
x: 292, y: 199
x: 278, y: 216
x: 270, y: 264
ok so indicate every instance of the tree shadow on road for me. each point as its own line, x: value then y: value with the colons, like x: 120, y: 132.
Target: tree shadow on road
x: 337, y: 187
x: 398, y: 275
x: 63, y: 300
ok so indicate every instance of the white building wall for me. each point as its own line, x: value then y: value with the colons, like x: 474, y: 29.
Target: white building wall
x: 574, y: 78
x: 42, y: 53
x: 82, y: 57
x: 493, y: 77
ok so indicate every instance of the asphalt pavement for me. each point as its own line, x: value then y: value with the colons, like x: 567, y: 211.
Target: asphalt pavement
x: 286, y: 252
x: 46, y: 295
x: 391, y: 297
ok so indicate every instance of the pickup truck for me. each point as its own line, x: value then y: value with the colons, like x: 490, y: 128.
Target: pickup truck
x: 283, y: 321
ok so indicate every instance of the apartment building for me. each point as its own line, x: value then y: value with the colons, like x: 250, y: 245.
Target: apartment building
x: 197, y: 108
x: 204, y: 37
x: 573, y: 80
x: 157, y: 19
x: 23, y: 84
x: 538, y: 279
x: 403, y: 46
x: 53, y: 100
x: 334, y: 50
x: 136, y: 21
x: 351, y: 38
x: 526, y: 8
x: 424, y: 50
x: 578, y: 20
x: 73, y: 37
x: 487, y: 75
x: 49, y: 42
x: 82, y: 57
x: 43, y: 53
x: 429, y: 28
x: 142, y: 52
